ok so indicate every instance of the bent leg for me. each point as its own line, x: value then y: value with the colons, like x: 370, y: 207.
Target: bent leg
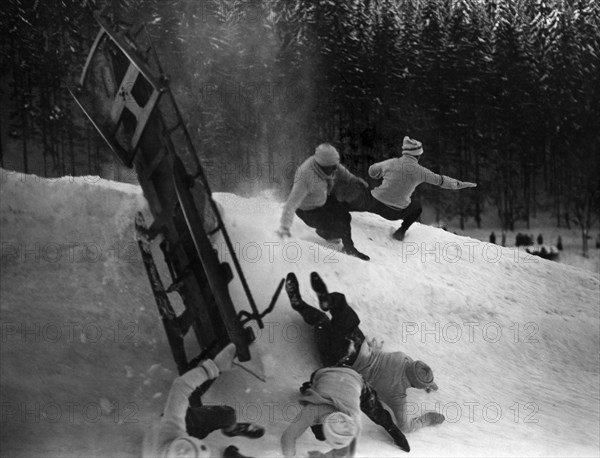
x: 311, y: 315
x: 343, y: 317
x: 409, y: 215
x: 325, y: 342
x: 379, y: 208
x: 331, y: 218
x: 372, y: 407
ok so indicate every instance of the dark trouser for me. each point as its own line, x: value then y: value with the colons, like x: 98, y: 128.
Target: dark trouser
x: 408, y: 215
x: 372, y: 407
x: 331, y: 218
x: 202, y: 420
x: 333, y: 336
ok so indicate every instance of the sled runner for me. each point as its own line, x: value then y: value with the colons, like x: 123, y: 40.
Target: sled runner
x: 126, y: 96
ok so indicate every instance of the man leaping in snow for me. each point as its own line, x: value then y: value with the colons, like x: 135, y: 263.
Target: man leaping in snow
x: 341, y: 342
x: 311, y: 199
x: 401, y: 175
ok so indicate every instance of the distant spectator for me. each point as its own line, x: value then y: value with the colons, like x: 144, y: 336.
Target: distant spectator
x: 598, y: 241
x: 503, y: 239
x: 540, y: 239
x: 559, y: 244
x: 523, y: 240
x: 492, y: 237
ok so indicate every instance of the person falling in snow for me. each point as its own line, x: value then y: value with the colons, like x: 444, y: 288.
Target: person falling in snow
x: 332, y: 402
x: 180, y: 430
x: 401, y: 175
x: 312, y: 200
x: 341, y: 342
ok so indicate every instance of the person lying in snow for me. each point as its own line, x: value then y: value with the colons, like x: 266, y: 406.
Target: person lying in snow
x: 340, y: 342
x: 311, y: 199
x: 331, y: 406
x: 180, y: 430
x: 392, y: 198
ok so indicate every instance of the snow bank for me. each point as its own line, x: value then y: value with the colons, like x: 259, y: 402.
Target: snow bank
x: 512, y: 339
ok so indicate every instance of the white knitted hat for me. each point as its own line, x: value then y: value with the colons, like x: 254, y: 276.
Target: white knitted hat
x: 339, y: 429
x: 420, y: 375
x: 326, y: 155
x: 412, y: 147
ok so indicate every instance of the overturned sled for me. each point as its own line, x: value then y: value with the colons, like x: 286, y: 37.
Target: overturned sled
x: 126, y: 96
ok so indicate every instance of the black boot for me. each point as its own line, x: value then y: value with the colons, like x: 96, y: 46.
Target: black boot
x: 399, y: 234
x: 293, y: 290
x: 319, y: 287
x: 311, y: 315
x: 249, y: 430
x: 399, y: 438
x: 233, y: 452
x: 352, y: 251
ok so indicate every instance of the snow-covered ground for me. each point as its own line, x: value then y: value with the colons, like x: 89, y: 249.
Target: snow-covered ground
x: 513, y: 340
x: 571, y: 240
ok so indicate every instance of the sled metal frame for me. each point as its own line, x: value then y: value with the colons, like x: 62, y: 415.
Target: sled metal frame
x: 173, y: 194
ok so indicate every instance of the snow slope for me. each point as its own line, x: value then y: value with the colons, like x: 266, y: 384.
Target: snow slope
x: 85, y: 367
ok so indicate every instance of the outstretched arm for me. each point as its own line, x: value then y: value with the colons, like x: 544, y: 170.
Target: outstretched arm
x: 452, y: 183
x: 294, y: 431
x: 444, y: 181
x: 294, y: 200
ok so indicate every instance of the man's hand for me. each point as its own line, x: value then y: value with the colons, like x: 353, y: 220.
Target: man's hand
x: 374, y: 344
x: 283, y: 232
x: 432, y: 387
x: 364, y: 183
x: 465, y: 184
x: 225, y: 357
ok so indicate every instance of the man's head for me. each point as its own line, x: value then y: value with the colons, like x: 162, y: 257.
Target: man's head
x: 339, y: 429
x: 412, y: 147
x: 187, y: 447
x: 327, y: 158
x: 420, y: 376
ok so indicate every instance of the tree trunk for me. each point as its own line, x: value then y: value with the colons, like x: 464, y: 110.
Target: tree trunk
x: 24, y: 132
x: 1, y: 144
x: 72, y: 152
x: 584, y: 236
